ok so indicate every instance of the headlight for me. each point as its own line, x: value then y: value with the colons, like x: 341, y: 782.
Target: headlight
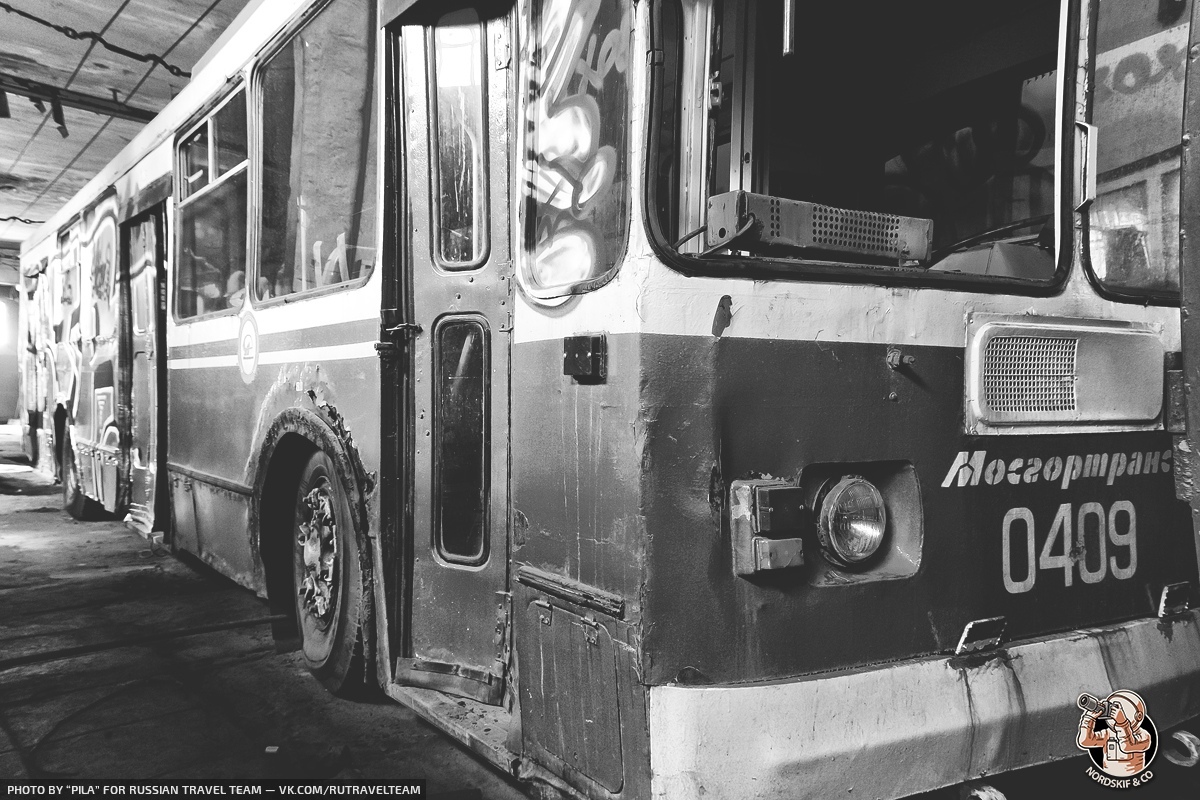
x: 852, y: 521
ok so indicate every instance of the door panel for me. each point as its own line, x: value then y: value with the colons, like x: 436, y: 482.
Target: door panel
x: 142, y: 262
x: 459, y: 277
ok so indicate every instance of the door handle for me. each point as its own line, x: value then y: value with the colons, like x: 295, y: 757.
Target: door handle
x: 405, y: 328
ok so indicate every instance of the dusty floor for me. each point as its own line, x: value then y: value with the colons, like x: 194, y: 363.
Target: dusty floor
x: 199, y: 706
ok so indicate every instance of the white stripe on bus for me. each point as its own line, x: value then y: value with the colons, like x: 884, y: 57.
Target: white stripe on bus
x: 337, y: 352
x: 203, y: 362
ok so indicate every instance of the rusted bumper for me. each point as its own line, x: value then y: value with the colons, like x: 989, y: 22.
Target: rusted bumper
x: 904, y: 728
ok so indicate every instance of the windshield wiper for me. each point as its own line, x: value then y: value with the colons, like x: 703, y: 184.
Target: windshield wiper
x: 1029, y: 222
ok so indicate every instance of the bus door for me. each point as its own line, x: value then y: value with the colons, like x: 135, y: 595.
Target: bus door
x: 142, y: 264
x: 456, y: 86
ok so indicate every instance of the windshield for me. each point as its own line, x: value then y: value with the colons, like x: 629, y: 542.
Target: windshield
x: 911, y: 117
x: 1137, y: 107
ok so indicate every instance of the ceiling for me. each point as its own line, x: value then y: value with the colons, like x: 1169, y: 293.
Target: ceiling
x: 106, y: 96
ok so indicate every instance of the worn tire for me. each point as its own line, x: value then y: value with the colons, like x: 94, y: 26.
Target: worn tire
x: 331, y: 638
x: 77, y: 504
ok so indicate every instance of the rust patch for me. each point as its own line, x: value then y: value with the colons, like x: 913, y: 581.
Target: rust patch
x: 520, y: 527
x: 1185, y: 458
x: 366, y: 478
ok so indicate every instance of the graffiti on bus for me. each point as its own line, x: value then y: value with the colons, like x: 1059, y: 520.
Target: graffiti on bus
x: 574, y: 166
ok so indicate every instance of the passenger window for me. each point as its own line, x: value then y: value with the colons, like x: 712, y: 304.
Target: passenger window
x: 318, y: 176
x: 211, y: 263
x: 229, y: 137
x: 1139, y: 70
x: 460, y: 414
x: 68, y: 298
x: 459, y: 169
x: 193, y: 157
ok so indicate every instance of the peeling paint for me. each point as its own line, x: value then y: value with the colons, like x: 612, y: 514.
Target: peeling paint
x: 723, y: 315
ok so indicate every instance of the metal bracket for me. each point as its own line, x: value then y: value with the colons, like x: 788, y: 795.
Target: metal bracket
x: 387, y: 350
x: 585, y: 358
x: 1085, y: 176
x: 545, y: 612
x: 503, y: 616
x: 591, y: 630
x: 897, y: 360
x: 764, y: 523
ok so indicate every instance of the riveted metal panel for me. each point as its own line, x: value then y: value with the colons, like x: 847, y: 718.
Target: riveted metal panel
x: 569, y: 686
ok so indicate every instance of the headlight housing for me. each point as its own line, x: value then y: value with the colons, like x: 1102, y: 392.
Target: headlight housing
x: 852, y: 521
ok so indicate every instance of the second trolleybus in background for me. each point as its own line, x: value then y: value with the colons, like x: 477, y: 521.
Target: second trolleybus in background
x: 671, y: 398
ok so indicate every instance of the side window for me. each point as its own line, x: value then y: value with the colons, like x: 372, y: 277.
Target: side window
x: 68, y: 298
x: 211, y: 263
x: 318, y: 170
x: 1139, y: 67
x: 456, y: 57
x: 460, y: 414
x: 193, y: 162
x: 575, y: 212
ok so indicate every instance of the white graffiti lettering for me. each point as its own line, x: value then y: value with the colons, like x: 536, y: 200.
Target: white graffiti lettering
x: 571, y: 168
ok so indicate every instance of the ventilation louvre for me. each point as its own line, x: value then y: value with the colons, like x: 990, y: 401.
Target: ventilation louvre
x: 777, y: 222
x: 1029, y: 374
x: 856, y: 231
x: 1026, y: 374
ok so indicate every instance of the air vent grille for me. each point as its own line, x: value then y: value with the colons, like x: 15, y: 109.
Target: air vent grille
x: 774, y: 225
x: 858, y: 231
x: 1029, y: 374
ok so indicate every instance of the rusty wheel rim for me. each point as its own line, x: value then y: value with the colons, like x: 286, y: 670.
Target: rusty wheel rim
x: 317, y: 562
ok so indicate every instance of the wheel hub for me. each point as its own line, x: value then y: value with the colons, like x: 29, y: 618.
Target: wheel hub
x: 318, y: 547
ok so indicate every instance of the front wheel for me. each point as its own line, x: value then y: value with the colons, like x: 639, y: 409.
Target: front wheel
x: 77, y: 504
x: 328, y: 578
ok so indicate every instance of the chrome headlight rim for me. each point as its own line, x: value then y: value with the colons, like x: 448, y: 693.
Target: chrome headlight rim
x: 833, y: 545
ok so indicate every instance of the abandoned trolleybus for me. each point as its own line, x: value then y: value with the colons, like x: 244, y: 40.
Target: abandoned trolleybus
x: 671, y: 398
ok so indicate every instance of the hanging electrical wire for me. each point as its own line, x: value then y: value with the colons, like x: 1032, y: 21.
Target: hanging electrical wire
x: 22, y: 220
x: 71, y: 33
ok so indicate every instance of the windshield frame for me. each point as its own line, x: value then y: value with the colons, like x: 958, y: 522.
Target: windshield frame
x: 1087, y: 71
x: 845, y: 271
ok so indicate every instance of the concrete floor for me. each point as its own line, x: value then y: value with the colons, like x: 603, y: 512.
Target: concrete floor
x: 204, y: 706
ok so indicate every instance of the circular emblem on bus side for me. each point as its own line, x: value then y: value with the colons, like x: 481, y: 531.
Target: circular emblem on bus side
x: 247, y: 353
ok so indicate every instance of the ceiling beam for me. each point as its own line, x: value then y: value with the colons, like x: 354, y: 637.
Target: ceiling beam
x: 108, y: 107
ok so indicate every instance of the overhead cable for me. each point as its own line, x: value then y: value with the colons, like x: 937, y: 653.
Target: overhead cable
x: 22, y: 220
x: 71, y: 33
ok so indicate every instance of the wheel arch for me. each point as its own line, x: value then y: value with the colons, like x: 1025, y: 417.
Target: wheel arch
x: 294, y: 435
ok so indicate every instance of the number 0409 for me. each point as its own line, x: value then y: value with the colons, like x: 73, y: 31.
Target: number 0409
x: 1087, y: 538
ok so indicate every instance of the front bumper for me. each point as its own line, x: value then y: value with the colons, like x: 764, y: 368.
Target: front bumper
x: 904, y: 728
